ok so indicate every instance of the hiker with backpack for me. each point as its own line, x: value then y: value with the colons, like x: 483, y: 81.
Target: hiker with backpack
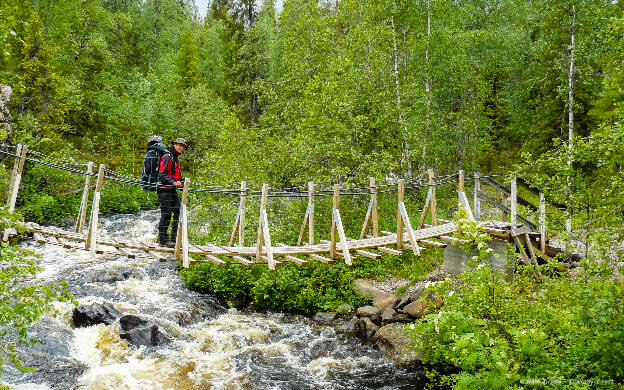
x: 151, y: 162
x: 169, y: 179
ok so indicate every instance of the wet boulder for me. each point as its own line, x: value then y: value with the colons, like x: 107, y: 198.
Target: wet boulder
x: 113, y: 274
x: 97, y: 313
x: 398, y: 346
x: 325, y: 317
x: 367, y: 311
x: 137, y: 331
x: 367, y: 328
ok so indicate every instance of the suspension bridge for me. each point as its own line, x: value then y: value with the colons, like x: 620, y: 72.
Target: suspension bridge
x: 529, y: 237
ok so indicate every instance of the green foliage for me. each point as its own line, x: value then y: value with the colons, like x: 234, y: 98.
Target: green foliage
x: 22, y: 302
x: 496, y: 334
x: 300, y: 289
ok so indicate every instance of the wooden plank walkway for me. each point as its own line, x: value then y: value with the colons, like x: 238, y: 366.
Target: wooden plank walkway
x: 209, y: 251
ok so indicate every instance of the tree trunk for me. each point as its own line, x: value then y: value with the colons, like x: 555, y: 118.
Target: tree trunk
x: 404, y: 145
x: 571, y: 113
x: 427, y: 88
x: 156, y: 28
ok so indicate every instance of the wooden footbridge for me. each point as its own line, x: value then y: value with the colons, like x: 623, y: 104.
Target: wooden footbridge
x: 371, y: 243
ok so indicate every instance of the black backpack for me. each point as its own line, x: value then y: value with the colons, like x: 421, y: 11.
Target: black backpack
x: 151, y: 162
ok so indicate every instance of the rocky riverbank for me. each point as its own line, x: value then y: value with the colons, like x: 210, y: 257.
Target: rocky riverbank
x: 382, y: 322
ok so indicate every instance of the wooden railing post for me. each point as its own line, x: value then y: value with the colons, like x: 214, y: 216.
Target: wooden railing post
x: 505, y: 202
x: 239, y: 223
x: 514, y: 204
x: 18, y: 169
x: 82, y: 213
x: 263, y: 230
x: 338, y: 229
x: 399, y: 216
x: 477, y: 199
x: 16, y: 163
x: 182, y: 244
x: 461, y: 194
x: 308, y: 219
x: 405, y: 220
x: 311, y: 214
x: 335, y: 204
x: 460, y: 183
x: 91, y: 242
x: 371, y: 212
x: 542, y: 222
x: 434, y: 209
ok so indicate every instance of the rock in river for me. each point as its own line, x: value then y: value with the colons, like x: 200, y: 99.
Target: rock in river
x: 97, y: 313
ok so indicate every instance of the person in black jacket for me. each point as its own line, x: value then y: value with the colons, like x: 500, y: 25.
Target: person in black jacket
x: 170, y: 179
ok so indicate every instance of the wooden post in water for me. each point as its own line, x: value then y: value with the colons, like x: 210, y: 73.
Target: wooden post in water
x: 399, y: 216
x: 477, y: 200
x: 542, y: 222
x: 18, y: 168
x: 514, y: 206
x: 91, y: 243
x: 263, y: 230
x: 335, y: 204
x: 82, y: 213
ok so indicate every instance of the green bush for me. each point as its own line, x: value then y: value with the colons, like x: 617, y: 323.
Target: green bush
x: 554, y: 332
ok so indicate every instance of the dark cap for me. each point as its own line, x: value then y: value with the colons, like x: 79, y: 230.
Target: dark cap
x: 181, y: 141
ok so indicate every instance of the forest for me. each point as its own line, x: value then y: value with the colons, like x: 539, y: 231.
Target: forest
x: 336, y: 91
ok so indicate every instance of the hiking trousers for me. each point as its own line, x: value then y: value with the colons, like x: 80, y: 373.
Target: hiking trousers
x: 169, y: 206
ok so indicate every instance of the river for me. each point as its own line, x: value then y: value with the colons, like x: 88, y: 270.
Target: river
x: 210, y: 345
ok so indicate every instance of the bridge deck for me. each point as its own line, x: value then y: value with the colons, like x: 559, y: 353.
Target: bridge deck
x: 246, y: 251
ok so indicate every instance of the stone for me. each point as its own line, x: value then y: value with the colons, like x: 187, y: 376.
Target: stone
x: 367, y: 311
x: 398, y: 346
x: 402, y: 302
x: 138, y: 332
x: 367, y: 327
x: 376, y: 319
x: 365, y: 288
x: 344, y: 308
x: 97, y: 313
x: 350, y: 326
x: 381, y: 302
x: 415, y: 295
x: 325, y: 317
x: 455, y: 259
x: 388, y: 314
x: 416, y: 309
x: 401, y: 317
x: 112, y: 275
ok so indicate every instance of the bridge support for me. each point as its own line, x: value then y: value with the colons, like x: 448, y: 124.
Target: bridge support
x: 430, y: 203
x: 239, y: 224
x: 264, y: 232
x: 18, y: 168
x: 308, y: 219
x: 371, y: 212
x: 477, y: 201
x: 338, y: 228
x: 82, y: 213
x: 182, y: 244
x: 91, y: 243
x: 463, y: 200
x: 405, y: 219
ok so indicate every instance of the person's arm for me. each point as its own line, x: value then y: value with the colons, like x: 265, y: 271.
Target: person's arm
x: 164, y: 172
